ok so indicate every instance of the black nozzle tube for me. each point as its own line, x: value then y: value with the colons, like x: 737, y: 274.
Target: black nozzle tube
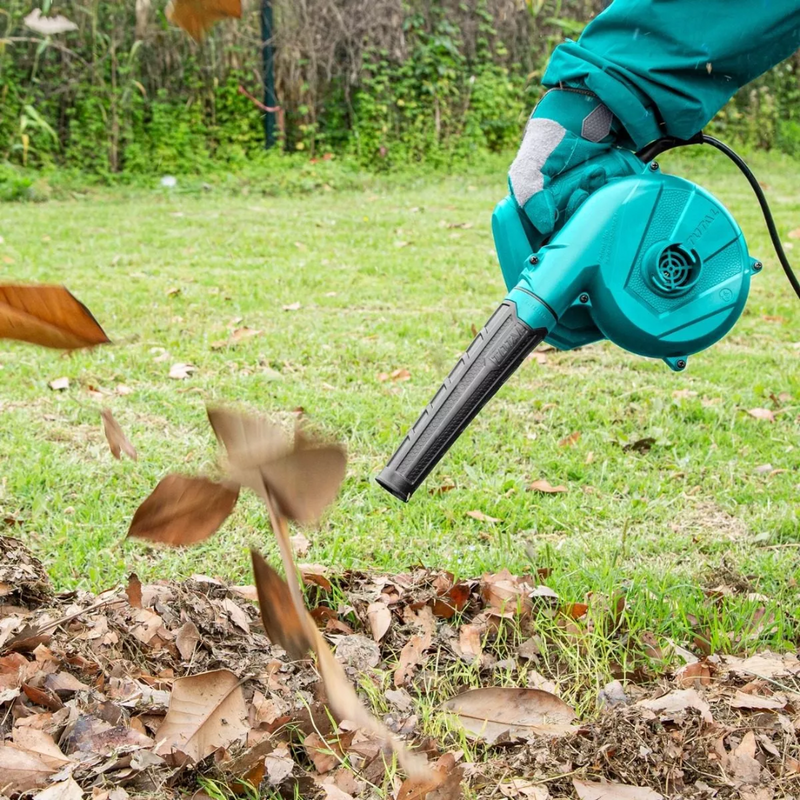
x: 491, y: 359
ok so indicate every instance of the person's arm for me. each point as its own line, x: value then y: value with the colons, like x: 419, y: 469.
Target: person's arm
x: 667, y: 66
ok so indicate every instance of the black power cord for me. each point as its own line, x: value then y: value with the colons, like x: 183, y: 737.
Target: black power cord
x: 670, y: 143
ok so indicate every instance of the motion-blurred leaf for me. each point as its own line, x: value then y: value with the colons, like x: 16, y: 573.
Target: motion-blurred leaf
x: 48, y: 316
x: 183, y: 510
x: 197, y: 17
x: 117, y: 441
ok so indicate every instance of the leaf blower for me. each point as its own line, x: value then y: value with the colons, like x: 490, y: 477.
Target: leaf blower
x: 650, y: 261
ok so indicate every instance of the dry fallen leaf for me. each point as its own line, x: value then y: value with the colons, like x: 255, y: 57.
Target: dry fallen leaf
x: 197, y: 17
x: 469, y: 640
x: 676, y: 703
x: 40, y: 744
x: 292, y: 307
x: 180, y: 371
x: 572, y: 439
x: 795, y: 234
x: 544, y: 486
x: 20, y: 771
x: 411, y: 656
x: 444, y: 782
x: 59, y: 384
x: 315, y: 575
x: 481, y: 517
x: 301, y: 544
x: 587, y: 790
x: 206, y: 712
x: 117, y: 440
x: 765, y: 665
x: 741, y: 763
x: 380, y: 618
x: 762, y: 413
x: 63, y: 790
x: 510, y: 713
x: 48, y: 316
x: 183, y: 510
x: 187, y: 637
x: 754, y: 701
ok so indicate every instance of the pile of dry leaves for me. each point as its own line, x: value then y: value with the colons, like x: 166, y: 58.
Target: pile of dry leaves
x: 159, y: 690
x: 142, y: 690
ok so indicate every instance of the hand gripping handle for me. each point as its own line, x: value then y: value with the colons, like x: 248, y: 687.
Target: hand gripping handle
x: 491, y: 359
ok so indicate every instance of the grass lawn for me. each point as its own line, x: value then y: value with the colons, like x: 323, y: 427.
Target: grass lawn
x: 388, y: 279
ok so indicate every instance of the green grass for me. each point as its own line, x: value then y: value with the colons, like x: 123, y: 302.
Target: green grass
x: 384, y: 284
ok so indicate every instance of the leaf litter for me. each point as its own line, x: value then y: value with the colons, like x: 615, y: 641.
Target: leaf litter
x: 147, y: 687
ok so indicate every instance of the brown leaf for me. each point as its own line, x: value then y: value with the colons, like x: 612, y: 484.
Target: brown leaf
x: 197, y: 17
x: 587, y: 790
x: 795, y: 234
x: 48, y: 316
x: 134, y: 590
x: 506, y: 594
x: 380, y: 618
x: 21, y: 771
x: 206, y: 712
x: 187, y: 638
x: 544, y: 486
x: 295, y: 631
x: 687, y: 675
x: 40, y: 744
x: 765, y: 665
x: 443, y: 784
x: 572, y: 439
x: 63, y: 790
x: 300, y: 544
x: 306, y: 481
x: 410, y: 656
x: 326, y: 755
x: 117, y: 440
x: 180, y: 371
x: 63, y: 683
x: 315, y: 575
x: 676, y: 703
x: 59, y: 384
x: 481, y: 517
x: 183, y: 510
x: 283, y: 624
x: 754, y: 701
x: 303, y: 481
x: 742, y: 763
x: 469, y: 640
x: 296, y: 305
x: 510, y: 713
x: 762, y: 413
x: 576, y: 610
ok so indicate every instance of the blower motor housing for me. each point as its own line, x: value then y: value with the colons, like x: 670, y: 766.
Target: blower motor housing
x: 652, y: 262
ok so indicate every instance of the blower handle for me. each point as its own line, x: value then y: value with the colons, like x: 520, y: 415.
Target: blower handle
x: 495, y: 353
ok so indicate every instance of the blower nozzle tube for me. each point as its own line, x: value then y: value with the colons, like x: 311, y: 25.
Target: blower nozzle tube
x: 491, y: 359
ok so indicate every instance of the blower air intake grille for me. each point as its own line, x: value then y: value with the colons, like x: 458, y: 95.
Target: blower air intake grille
x: 675, y: 271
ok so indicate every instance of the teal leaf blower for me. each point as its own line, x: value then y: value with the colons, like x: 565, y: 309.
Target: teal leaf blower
x: 652, y: 262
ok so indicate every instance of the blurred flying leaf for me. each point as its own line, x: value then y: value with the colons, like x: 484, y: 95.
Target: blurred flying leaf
x: 197, y: 17
x: 183, y: 510
x: 48, y: 316
x: 117, y: 441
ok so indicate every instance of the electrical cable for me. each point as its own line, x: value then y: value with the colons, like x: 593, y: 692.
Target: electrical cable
x: 670, y: 142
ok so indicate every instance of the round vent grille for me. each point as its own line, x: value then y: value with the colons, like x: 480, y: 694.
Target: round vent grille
x: 675, y: 271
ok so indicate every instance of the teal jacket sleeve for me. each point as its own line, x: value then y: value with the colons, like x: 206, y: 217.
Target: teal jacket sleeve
x: 667, y: 66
